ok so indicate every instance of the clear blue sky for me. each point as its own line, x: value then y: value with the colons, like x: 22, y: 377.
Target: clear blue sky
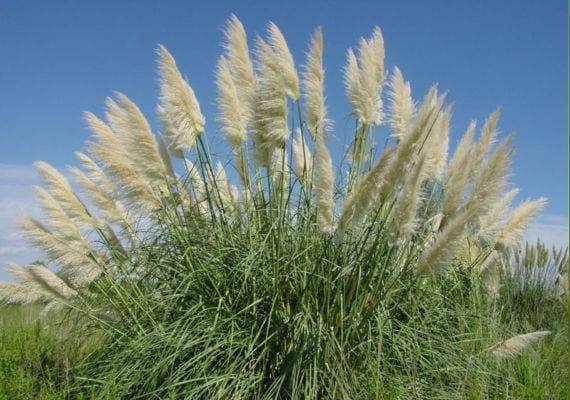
x: 59, y: 58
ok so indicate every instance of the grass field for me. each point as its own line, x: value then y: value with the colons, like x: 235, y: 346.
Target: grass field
x: 36, y: 358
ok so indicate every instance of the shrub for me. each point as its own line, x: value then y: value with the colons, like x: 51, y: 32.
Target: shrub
x: 294, y: 283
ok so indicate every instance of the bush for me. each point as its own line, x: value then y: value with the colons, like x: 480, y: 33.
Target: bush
x: 296, y: 284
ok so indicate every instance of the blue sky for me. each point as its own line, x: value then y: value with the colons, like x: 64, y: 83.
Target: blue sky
x: 60, y: 58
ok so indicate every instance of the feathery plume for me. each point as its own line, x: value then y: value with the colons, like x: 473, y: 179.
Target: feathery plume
x: 352, y: 85
x: 518, y: 220
x: 437, y: 145
x: 179, y: 109
x: 73, y: 254
x: 324, y: 182
x: 285, y: 60
x: 111, y: 153
x: 28, y: 281
x: 280, y: 171
x: 131, y: 127
x: 302, y: 157
x: 237, y: 53
x: 166, y: 160
x: 96, y: 174
x: 458, y: 175
x: 489, y: 274
x: 12, y: 293
x: 111, y: 210
x: 57, y: 218
x: 402, y: 105
x: 357, y: 206
x: 491, y: 222
x: 438, y: 255
x: 427, y: 115
x: 22, y: 274
x: 270, y: 105
x: 406, y: 206
x: 232, y: 116
x: 100, y: 191
x: 512, y: 347
x: 364, y: 78
x: 486, y: 141
x: 59, y: 188
x: 51, y: 281
x: 52, y: 307
x: 313, y: 82
x: 42, y: 280
x: 492, y: 178
x: 371, y: 56
x: 262, y: 148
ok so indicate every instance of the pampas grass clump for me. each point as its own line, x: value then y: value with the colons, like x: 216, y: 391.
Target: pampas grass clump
x: 249, y: 277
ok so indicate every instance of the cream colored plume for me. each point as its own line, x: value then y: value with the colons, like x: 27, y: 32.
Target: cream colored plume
x: 232, y: 115
x: 52, y: 307
x: 437, y: 145
x: 490, y: 274
x: 58, y: 220
x: 262, y: 147
x: 411, y: 146
x: 100, y: 190
x: 131, y: 127
x: 458, y: 175
x: 21, y: 273
x: 364, y: 78
x: 51, y: 281
x: 109, y: 151
x: 517, y: 222
x: 73, y: 254
x: 285, y: 60
x: 324, y: 185
x: 237, y: 53
x: 28, y: 280
x: 491, y: 222
x: 12, y: 293
x: 302, y: 157
x: 96, y: 174
x: 58, y: 187
x: 438, y: 255
x: 222, y: 186
x: 406, y: 206
x: 517, y: 344
x: 402, y: 105
x: 486, y: 141
x: 314, y: 86
x: 179, y: 109
x: 357, y: 206
x: 352, y: 84
x: 270, y: 117
x: 280, y: 172
x: 166, y: 159
x: 111, y: 210
x: 492, y: 178
x: 42, y: 280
